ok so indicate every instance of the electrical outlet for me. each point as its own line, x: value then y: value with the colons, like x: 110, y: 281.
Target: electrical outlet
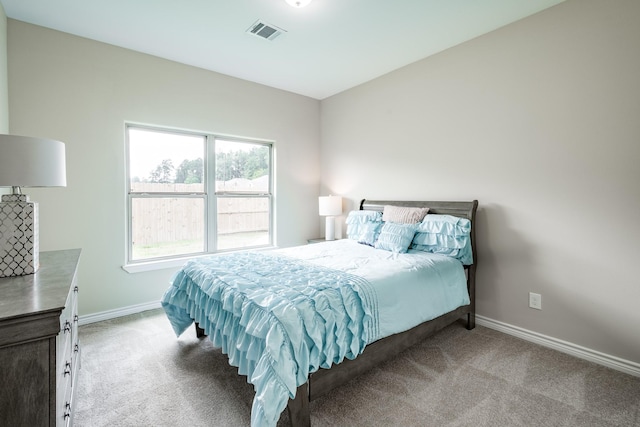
x: 535, y: 301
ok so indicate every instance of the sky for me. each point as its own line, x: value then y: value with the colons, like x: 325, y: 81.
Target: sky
x: 148, y: 148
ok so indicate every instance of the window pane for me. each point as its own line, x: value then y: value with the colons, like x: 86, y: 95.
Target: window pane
x: 242, y: 167
x: 243, y: 222
x: 165, y: 162
x: 169, y: 197
x: 164, y: 226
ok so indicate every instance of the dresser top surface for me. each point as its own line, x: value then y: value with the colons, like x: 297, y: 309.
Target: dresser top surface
x: 44, y: 291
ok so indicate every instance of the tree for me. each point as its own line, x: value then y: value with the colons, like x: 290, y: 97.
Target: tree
x: 190, y: 171
x: 163, y: 172
x: 250, y: 164
x: 257, y: 163
x: 225, y: 166
x: 242, y: 164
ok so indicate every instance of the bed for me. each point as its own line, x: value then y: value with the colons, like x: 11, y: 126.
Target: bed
x: 270, y: 332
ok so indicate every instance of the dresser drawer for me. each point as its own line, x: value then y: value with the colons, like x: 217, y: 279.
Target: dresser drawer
x: 64, y: 392
x: 64, y: 340
x: 67, y: 359
x: 39, y: 349
x: 75, y: 341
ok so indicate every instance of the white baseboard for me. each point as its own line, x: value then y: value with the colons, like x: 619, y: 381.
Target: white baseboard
x: 607, y: 360
x: 112, y: 314
x: 603, y: 359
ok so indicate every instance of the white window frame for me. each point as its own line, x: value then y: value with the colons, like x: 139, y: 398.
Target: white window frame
x: 209, y: 195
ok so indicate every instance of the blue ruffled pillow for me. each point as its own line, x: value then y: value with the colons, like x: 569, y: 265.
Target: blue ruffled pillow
x: 395, y: 237
x: 364, y: 226
x: 446, y: 235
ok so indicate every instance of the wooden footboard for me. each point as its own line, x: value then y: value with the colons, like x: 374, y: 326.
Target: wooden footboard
x: 325, y: 380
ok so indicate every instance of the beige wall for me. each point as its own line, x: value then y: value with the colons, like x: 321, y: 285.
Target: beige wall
x: 81, y: 92
x: 540, y: 122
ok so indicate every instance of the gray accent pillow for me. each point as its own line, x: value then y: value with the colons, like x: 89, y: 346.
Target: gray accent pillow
x: 403, y: 215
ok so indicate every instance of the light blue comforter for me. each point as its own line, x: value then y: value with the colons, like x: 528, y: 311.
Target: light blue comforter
x: 277, y: 321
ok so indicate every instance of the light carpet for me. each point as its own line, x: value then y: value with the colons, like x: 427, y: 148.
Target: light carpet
x: 135, y: 372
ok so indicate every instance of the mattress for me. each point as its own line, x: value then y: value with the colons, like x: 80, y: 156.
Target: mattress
x: 282, y: 314
x: 411, y: 288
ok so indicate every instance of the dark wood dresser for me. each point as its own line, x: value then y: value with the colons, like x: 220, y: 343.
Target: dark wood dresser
x: 39, y: 348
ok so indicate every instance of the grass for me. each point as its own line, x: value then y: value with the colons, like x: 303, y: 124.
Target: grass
x: 185, y: 247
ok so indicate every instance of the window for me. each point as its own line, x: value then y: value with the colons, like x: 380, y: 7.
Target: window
x: 192, y: 193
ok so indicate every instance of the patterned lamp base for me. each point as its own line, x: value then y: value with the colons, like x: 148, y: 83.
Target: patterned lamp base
x: 18, y: 235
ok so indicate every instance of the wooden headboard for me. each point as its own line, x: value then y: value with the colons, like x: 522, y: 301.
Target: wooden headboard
x: 460, y: 209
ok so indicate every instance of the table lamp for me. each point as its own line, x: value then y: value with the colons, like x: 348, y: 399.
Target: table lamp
x: 25, y: 162
x: 330, y: 206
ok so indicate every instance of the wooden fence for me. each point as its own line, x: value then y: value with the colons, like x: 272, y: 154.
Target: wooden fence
x: 170, y: 219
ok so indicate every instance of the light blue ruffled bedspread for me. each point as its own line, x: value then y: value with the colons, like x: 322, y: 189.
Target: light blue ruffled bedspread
x: 277, y: 321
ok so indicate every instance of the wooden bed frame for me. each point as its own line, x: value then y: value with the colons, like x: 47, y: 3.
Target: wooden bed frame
x: 325, y: 380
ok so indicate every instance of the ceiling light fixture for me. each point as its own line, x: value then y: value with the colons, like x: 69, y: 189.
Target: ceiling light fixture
x: 298, y: 3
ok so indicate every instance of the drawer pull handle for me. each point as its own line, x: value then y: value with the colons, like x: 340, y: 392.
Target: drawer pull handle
x: 75, y: 318
x: 67, y: 410
x: 67, y: 369
x: 67, y: 326
x: 75, y: 289
x: 76, y: 348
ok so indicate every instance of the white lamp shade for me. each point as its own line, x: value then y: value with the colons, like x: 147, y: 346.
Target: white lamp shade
x: 31, y: 162
x: 329, y: 205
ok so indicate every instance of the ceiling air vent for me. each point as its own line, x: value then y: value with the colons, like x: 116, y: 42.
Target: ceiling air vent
x: 265, y: 31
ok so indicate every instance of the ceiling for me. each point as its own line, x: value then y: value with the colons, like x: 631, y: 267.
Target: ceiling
x: 329, y: 46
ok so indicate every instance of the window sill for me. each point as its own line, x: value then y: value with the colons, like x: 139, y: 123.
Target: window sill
x: 172, y: 263
x: 140, y: 267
